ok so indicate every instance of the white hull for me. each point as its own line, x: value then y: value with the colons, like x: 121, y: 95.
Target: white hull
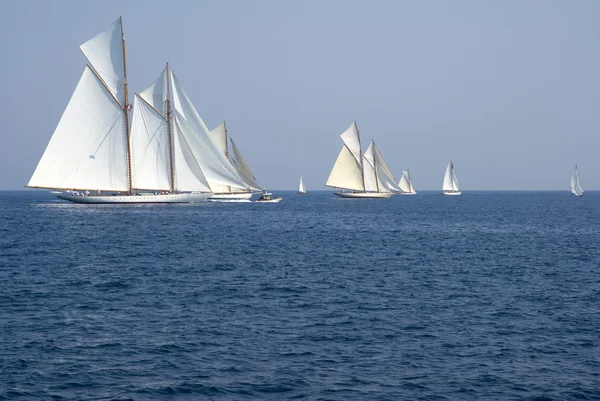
x: 302, y: 193
x: 269, y: 201
x: 364, y: 195
x: 232, y: 196
x: 117, y: 199
x: 452, y: 193
x: 406, y: 193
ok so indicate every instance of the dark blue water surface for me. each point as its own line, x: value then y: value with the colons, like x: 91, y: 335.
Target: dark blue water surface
x: 483, y: 296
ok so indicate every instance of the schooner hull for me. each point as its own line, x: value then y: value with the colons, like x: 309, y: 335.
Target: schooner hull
x: 150, y: 198
x: 451, y: 193
x: 232, y: 196
x: 364, y: 195
x: 406, y: 193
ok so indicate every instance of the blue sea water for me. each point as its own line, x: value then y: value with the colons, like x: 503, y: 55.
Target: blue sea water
x: 484, y: 296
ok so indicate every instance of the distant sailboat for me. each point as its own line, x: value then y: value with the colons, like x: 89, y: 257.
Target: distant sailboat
x: 450, y: 186
x: 405, y: 184
x: 301, y: 187
x: 365, y: 175
x: 575, y: 185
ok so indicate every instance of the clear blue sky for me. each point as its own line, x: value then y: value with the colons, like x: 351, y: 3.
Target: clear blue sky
x: 510, y: 90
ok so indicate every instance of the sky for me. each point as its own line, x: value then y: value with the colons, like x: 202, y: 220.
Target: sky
x: 509, y: 90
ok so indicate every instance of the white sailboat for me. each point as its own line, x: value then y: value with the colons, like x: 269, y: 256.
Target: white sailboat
x: 221, y: 192
x: 301, y: 187
x: 575, y: 185
x: 405, y: 184
x: 450, y: 185
x: 96, y: 157
x: 363, y: 175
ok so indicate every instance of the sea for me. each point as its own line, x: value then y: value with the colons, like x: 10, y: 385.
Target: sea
x: 484, y: 296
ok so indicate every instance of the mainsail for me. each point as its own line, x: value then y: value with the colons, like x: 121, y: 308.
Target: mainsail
x: 88, y: 149
x: 575, y: 185
x: 450, y: 181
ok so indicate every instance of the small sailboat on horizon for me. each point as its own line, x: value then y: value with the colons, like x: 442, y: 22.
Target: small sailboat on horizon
x: 405, y: 184
x: 575, y: 184
x: 364, y: 175
x: 450, y: 185
x: 301, y: 187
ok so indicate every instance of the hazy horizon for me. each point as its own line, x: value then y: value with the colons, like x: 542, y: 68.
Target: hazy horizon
x: 507, y: 90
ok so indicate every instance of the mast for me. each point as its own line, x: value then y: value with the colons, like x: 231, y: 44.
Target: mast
x: 126, y: 107
x: 362, y: 170
x: 170, y: 128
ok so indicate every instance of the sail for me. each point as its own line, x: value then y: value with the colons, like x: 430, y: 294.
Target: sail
x: 242, y: 168
x: 351, y: 139
x: 219, y: 135
x: 405, y: 183
x: 215, y: 166
x: 455, y: 186
x: 188, y: 173
x: 105, y: 55
x: 346, y: 172
x: 150, y: 151
x: 575, y: 185
x: 369, y: 174
x: 448, y: 184
x: 301, y: 187
x: 88, y: 149
x: 387, y: 181
x: 157, y: 93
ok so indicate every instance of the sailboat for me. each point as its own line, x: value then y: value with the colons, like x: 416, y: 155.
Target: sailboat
x: 405, y: 184
x: 450, y: 185
x: 364, y: 175
x: 575, y: 185
x: 166, y: 156
x: 301, y: 187
x: 220, y: 135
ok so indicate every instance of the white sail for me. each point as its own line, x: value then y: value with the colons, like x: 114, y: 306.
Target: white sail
x: 219, y: 135
x: 215, y: 166
x: 188, y: 173
x: 156, y: 94
x: 450, y: 181
x: 369, y: 173
x: 105, y: 55
x: 351, y: 139
x: 150, y: 151
x: 301, y: 187
x: 88, y: 149
x: 405, y: 183
x: 387, y: 181
x: 575, y: 185
x: 242, y: 168
x: 346, y: 172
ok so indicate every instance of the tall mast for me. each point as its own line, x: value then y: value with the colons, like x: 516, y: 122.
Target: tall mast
x: 126, y: 89
x: 362, y: 170
x: 170, y: 128
x: 226, y: 140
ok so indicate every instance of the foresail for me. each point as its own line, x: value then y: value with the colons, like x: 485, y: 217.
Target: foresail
x: 368, y: 164
x: 455, y: 186
x: 215, y: 166
x: 242, y: 168
x: 351, y: 139
x: 104, y: 53
x: 188, y: 174
x: 88, y: 149
x: 150, y: 151
x: 346, y: 172
x: 156, y: 94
